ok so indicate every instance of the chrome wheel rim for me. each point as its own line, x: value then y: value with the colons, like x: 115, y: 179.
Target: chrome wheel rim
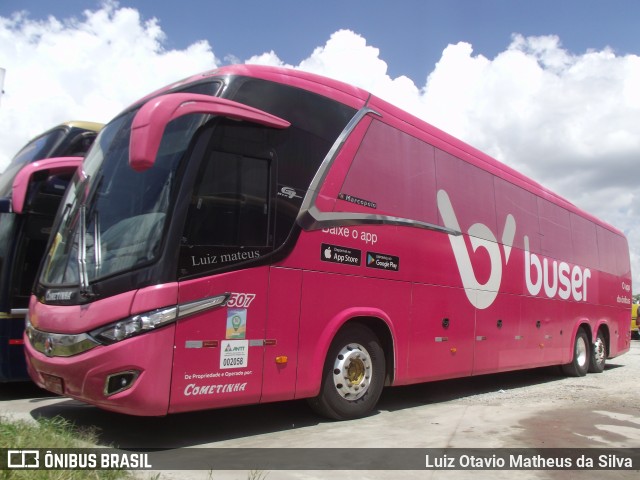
x: 581, y: 351
x: 352, y: 371
x: 599, y: 351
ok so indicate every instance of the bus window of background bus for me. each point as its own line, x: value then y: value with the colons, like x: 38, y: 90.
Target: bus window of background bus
x: 124, y: 212
x: 38, y: 148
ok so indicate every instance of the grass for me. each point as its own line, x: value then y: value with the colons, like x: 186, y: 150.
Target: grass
x: 51, y: 433
x: 58, y: 432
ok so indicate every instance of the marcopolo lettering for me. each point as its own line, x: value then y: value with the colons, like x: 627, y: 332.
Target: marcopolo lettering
x: 357, y: 201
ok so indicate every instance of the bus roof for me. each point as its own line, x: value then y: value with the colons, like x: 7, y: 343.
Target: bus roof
x: 340, y: 91
x: 93, y: 126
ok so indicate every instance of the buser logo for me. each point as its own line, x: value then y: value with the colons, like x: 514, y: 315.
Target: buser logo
x: 558, y: 278
x: 481, y: 295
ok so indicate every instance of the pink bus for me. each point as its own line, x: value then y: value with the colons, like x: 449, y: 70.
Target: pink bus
x: 256, y: 234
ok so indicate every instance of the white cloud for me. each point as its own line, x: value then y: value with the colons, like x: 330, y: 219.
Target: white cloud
x: 85, y: 68
x: 568, y: 120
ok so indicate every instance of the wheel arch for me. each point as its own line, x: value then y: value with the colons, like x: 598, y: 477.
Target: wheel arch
x: 381, y: 330
x: 374, y: 319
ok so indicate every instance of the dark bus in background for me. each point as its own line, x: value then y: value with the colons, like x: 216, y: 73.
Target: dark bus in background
x: 31, y: 188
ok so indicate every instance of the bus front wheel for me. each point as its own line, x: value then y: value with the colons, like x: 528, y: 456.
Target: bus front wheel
x: 579, y: 366
x: 353, y: 375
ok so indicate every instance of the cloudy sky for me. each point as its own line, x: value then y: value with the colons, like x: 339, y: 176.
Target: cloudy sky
x: 550, y: 87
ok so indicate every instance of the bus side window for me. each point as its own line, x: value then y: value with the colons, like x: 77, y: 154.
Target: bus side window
x: 80, y: 145
x: 230, y: 203
x: 394, y: 171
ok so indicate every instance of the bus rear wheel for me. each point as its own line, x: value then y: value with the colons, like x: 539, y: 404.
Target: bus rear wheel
x: 353, y: 375
x: 598, y: 354
x: 579, y: 366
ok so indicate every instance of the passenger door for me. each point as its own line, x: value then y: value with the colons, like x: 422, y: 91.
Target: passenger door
x: 218, y: 354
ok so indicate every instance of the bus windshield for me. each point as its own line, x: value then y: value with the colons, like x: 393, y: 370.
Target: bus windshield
x: 113, y: 216
x: 39, y: 148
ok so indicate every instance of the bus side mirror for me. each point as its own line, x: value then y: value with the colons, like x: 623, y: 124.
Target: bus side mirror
x: 150, y: 121
x: 48, y: 167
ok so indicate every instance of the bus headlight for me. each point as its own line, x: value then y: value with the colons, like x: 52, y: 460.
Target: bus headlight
x: 144, y: 322
x: 135, y: 325
x: 28, y: 327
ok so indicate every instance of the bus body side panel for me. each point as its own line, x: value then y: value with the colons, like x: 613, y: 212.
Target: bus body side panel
x: 329, y: 300
x: 624, y: 299
x: 281, y: 353
x: 619, y: 331
x: 218, y: 359
x: 499, y: 336
x: 442, y: 330
x: 510, y: 334
x: 552, y: 335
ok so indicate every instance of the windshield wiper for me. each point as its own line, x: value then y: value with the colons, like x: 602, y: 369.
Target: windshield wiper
x: 82, y: 251
x: 85, y: 287
x: 97, y: 245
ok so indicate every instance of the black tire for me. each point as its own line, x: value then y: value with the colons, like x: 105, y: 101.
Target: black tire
x: 353, y: 375
x: 579, y: 366
x: 598, y: 354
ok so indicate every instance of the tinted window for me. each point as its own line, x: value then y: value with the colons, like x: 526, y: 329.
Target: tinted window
x: 229, y: 220
x: 230, y: 204
x: 38, y: 148
x: 394, y: 171
x: 555, y: 231
x: 77, y: 144
x: 252, y: 179
x: 316, y: 123
x: 205, y: 88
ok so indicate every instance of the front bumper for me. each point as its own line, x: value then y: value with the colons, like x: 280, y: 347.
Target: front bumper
x: 85, y: 376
